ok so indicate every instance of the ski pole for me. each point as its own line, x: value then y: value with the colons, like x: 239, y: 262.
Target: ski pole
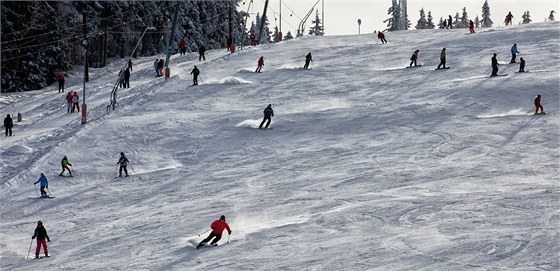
x: 228, y: 237
x: 116, y: 169
x: 203, y: 232
x: 36, y: 192
x: 29, y: 251
x: 132, y: 169
x: 49, y: 192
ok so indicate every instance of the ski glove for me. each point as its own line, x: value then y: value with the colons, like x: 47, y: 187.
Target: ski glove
x: 49, y: 240
x: 33, y: 237
x: 229, y: 232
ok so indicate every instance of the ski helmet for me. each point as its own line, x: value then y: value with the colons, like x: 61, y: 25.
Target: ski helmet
x: 39, y: 222
x: 223, y: 217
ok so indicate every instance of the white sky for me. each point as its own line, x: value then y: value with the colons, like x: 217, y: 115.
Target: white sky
x: 341, y: 16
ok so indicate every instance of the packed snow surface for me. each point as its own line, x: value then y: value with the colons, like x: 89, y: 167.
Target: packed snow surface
x: 369, y: 165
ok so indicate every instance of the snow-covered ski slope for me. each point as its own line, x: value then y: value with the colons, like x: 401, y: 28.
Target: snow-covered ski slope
x: 370, y: 166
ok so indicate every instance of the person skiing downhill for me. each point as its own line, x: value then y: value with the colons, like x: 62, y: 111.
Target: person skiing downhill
x: 514, y: 53
x: 123, y: 162
x: 414, y: 58
x: 65, y: 165
x: 217, y: 227
x: 44, y: 184
x: 8, y: 124
x: 539, y: 106
x: 471, y: 26
x: 268, y: 114
x: 442, y: 59
x: 260, y: 64
x: 381, y: 37
x: 308, y: 58
x: 521, y: 65
x: 195, y: 72
x: 41, y: 234
x: 495, y: 65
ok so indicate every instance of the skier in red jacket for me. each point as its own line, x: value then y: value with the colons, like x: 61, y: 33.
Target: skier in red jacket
x: 217, y: 227
x: 538, y: 106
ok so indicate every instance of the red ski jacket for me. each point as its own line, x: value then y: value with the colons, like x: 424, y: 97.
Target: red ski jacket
x: 218, y: 227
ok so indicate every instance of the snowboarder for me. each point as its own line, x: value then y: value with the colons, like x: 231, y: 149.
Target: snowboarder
x: 123, y: 161
x: 69, y: 102
x: 521, y: 64
x: 65, y: 165
x: 156, y: 62
x: 449, y: 22
x: 75, y: 102
x: 268, y: 114
x: 60, y: 79
x: 41, y: 234
x: 201, y: 51
x: 442, y: 59
x: 195, y: 72
x: 182, y: 48
x: 308, y: 58
x: 217, y: 227
x: 471, y: 26
x: 495, y: 65
x: 414, y: 58
x: 514, y: 53
x: 44, y: 184
x: 8, y: 124
x: 126, y: 81
x: 381, y: 37
x: 509, y: 18
x: 538, y: 106
x: 260, y: 64
x: 160, y: 66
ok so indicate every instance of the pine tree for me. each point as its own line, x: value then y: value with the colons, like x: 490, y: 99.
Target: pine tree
x: 404, y: 22
x: 288, y: 36
x: 526, y: 17
x: 486, y: 21
x: 440, y: 24
x: 457, y: 22
x: 476, y: 22
x: 464, y: 19
x: 395, y: 12
x: 551, y: 16
x: 431, y: 24
x: 265, y: 35
x: 317, y: 28
x: 422, y: 22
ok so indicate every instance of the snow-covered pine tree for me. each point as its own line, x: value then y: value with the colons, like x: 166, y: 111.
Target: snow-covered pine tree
x: 440, y: 24
x: 288, y: 36
x: 265, y: 35
x: 551, y: 16
x: 486, y: 21
x: 431, y: 24
x: 464, y: 19
x: 393, y: 21
x: 317, y: 27
x: 526, y: 17
x: 422, y: 22
x: 404, y: 22
x: 276, y: 35
x: 476, y: 22
x: 457, y: 21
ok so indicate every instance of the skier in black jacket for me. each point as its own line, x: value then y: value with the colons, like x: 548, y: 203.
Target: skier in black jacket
x: 41, y: 234
x: 268, y: 114
x: 495, y: 65
x: 123, y: 161
x: 8, y: 123
x: 201, y: 51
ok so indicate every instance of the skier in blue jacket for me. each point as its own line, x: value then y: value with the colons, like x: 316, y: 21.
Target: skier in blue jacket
x: 514, y: 53
x: 44, y: 184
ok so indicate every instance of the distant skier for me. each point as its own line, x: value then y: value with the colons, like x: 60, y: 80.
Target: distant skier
x: 123, y: 162
x: 41, y: 234
x: 514, y: 53
x: 381, y: 37
x: 160, y: 66
x: 521, y: 64
x: 539, y: 106
x: 129, y: 64
x: 75, y: 102
x: 495, y: 65
x: 441, y: 59
x: 182, y: 48
x: 308, y: 58
x: 253, y: 40
x: 64, y: 163
x: 414, y: 58
x: 156, y: 62
x: 268, y: 114
x: 69, y: 102
x: 218, y: 228
x: 8, y: 124
x: 450, y: 22
x: 471, y: 26
x: 260, y: 64
x: 195, y: 72
x: 201, y: 51
x: 126, y: 81
x: 44, y: 184
x: 509, y: 19
x: 60, y: 79
x: 444, y: 24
